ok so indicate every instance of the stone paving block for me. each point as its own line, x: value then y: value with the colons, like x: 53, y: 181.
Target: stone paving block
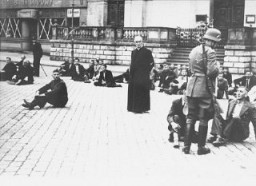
x: 94, y: 135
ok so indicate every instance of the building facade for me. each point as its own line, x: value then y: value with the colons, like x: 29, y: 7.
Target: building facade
x: 111, y: 22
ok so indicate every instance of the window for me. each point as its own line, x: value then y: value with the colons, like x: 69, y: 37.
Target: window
x: 10, y: 28
x: 45, y: 26
x: 200, y: 18
x: 116, y: 13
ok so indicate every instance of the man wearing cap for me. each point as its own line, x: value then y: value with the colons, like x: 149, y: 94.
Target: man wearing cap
x: 204, y: 69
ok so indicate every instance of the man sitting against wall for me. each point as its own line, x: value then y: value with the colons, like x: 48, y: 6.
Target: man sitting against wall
x: 24, y: 74
x: 65, y: 68
x: 236, y: 127
x: 8, y: 71
x: 178, y: 84
x: 166, y: 77
x: 248, y: 80
x: 105, y: 78
x: 78, y: 72
x: 122, y: 78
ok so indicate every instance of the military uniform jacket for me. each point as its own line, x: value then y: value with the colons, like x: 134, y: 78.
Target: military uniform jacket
x: 197, y: 86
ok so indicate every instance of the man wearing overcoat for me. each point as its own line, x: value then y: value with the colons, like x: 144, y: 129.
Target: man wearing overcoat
x: 37, y: 54
x: 204, y: 69
x: 139, y: 82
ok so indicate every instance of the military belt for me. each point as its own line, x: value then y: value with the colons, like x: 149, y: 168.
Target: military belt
x: 199, y: 74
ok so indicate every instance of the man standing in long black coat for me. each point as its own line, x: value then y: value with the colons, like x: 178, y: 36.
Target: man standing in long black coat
x: 37, y: 54
x: 139, y: 82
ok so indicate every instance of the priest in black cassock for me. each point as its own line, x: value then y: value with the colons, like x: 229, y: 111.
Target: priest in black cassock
x: 139, y: 82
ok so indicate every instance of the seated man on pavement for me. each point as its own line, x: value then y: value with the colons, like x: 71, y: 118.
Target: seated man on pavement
x: 22, y: 59
x: 236, y: 127
x: 177, y: 120
x: 222, y: 87
x: 177, y: 84
x: 153, y: 77
x: 106, y: 78
x: 90, y: 69
x: 65, y: 68
x: 248, y: 80
x: 24, y: 74
x: 78, y: 72
x: 252, y: 95
x: 8, y: 71
x: 97, y: 68
x: 122, y: 78
x: 228, y: 76
x: 54, y: 93
x: 167, y: 76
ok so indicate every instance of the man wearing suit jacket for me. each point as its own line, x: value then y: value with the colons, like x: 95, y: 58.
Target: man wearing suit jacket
x: 239, y: 115
x: 78, y: 72
x: 204, y: 68
x: 177, y: 120
x: 106, y: 78
x: 8, y: 71
x: 54, y: 93
x: 248, y: 80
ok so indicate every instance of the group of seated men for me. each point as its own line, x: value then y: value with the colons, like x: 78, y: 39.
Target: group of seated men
x: 171, y: 79
x: 96, y: 72
x: 234, y: 126
x: 20, y: 73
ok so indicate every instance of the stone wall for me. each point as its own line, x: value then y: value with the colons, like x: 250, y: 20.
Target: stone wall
x: 239, y: 59
x: 110, y: 53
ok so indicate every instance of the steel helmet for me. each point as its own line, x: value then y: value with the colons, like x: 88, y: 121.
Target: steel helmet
x: 213, y: 34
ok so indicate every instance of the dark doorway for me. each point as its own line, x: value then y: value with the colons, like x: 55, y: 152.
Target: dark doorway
x: 229, y: 13
x: 116, y: 13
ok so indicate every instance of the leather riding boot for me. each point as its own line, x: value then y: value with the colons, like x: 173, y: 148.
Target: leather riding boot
x: 188, y: 136
x: 202, y: 134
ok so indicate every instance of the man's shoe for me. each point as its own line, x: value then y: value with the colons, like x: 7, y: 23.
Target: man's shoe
x: 186, y: 150
x: 212, y: 139
x: 176, y: 145
x: 28, y: 105
x: 203, y: 150
x: 25, y: 105
x: 26, y: 102
x: 219, y: 142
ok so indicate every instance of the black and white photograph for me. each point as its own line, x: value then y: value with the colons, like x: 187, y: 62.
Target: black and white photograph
x: 127, y: 92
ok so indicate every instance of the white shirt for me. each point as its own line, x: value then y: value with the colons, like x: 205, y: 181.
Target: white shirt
x: 77, y: 69
x: 237, y: 110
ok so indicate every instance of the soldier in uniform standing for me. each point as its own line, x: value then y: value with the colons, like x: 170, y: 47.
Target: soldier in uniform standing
x: 204, y: 68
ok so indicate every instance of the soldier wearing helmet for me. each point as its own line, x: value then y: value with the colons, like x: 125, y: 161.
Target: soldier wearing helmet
x: 204, y: 68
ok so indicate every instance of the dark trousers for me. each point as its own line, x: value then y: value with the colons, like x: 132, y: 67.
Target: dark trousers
x: 218, y: 125
x: 36, y: 65
x: 234, y: 131
x: 42, y: 100
x: 200, y: 108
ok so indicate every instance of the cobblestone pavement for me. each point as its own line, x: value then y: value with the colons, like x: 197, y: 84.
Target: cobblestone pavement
x: 95, y: 141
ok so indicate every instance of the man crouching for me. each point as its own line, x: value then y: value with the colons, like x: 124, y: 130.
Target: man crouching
x: 54, y: 93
